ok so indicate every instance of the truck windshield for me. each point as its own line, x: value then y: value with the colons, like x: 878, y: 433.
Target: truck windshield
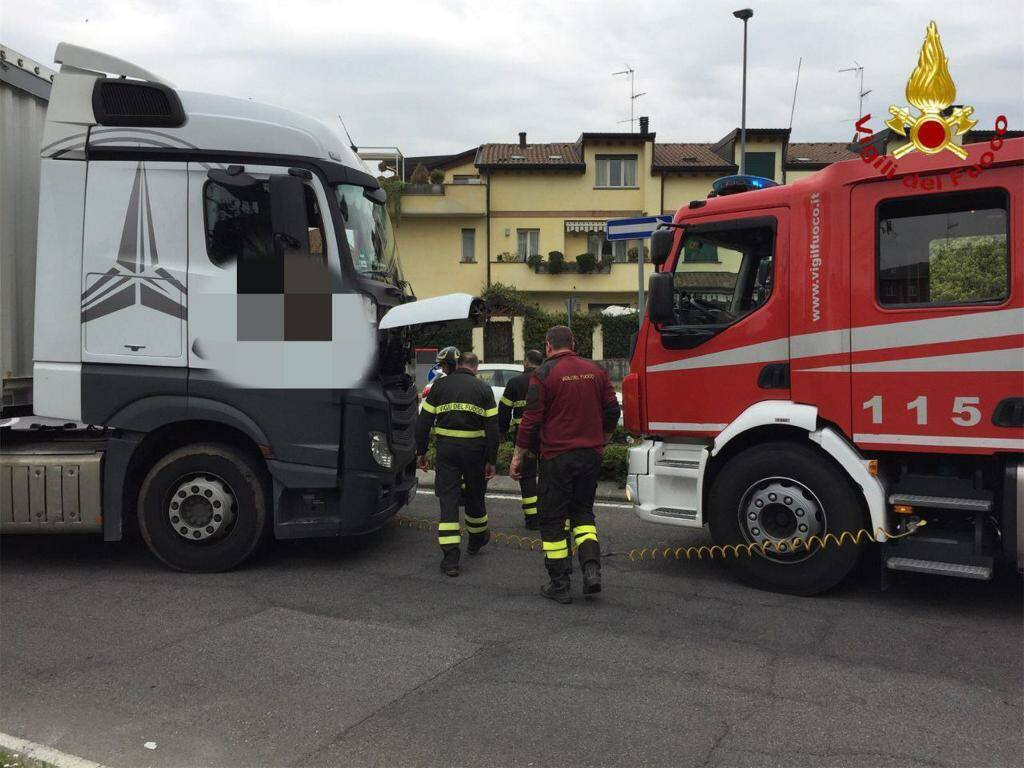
x: 371, y: 239
x: 723, y: 275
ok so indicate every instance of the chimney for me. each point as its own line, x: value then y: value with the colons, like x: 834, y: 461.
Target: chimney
x: 644, y: 124
x: 522, y: 139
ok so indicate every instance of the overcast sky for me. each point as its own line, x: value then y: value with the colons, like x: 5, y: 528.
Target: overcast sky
x: 435, y: 77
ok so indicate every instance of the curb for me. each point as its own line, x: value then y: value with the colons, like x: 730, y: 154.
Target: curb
x: 504, y: 484
x: 44, y: 753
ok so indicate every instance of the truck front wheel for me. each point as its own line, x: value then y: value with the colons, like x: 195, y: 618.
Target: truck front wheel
x: 772, y: 494
x: 203, y: 508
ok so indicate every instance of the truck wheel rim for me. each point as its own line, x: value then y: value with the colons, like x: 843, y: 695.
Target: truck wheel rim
x: 775, y: 511
x: 201, y: 508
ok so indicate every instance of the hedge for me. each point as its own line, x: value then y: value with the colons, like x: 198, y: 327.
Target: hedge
x: 458, y: 334
x: 536, y: 325
x: 618, y: 331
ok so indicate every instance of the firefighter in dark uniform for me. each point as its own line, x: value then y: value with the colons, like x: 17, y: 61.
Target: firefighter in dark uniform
x: 571, y: 411
x: 510, y: 413
x: 460, y: 411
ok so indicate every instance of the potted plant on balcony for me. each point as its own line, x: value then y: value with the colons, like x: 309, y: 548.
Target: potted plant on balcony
x: 633, y: 254
x: 605, y: 263
x: 556, y: 262
x: 535, y: 260
x: 586, y: 263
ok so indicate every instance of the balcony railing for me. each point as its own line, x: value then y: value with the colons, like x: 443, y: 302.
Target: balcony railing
x: 444, y: 200
x: 423, y: 189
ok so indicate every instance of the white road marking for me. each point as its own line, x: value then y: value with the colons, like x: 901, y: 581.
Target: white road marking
x: 506, y: 497
x: 44, y: 753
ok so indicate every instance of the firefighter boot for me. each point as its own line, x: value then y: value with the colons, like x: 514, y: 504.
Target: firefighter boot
x: 558, y: 590
x: 591, y: 577
x: 450, y: 562
x: 477, y: 541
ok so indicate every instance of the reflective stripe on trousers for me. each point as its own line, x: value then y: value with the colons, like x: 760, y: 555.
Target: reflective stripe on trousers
x: 448, y: 534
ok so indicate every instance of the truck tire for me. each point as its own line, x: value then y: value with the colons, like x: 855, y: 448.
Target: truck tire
x: 777, y: 492
x: 203, y: 508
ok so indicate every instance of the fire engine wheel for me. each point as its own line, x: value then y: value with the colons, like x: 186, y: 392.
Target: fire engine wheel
x: 774, y: 493
x: 203, y: 508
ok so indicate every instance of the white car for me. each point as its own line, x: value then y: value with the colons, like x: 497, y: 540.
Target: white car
x: 498, y: 375
x: 495, y: 375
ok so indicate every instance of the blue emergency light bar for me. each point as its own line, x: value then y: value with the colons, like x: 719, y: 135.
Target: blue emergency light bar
x: 731, y: 185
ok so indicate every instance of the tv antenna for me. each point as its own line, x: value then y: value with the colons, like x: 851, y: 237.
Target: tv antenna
x: 351, y: 144
x: 633, y: 95
x: 796, y: 85
x: 861, y: 93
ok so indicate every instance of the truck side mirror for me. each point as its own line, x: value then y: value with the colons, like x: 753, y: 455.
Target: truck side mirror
x: 661, y: 245
x: 288, y: 214
x: 660, y: 299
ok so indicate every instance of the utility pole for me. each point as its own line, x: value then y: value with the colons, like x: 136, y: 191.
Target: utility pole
x: 633, y: 95
x: 744, y: 14
x: 861, y: 93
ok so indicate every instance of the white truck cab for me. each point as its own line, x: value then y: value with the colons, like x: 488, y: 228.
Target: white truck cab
x: 218, y: 295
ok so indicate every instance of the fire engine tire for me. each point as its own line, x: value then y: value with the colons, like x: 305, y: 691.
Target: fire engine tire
x: 203, y: 508
x: 798, y: 479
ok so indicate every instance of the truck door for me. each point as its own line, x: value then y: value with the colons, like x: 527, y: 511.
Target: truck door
x: 272, y: 333
x: 729, y: 345
x: 134, y: 264
x: 938, y: 324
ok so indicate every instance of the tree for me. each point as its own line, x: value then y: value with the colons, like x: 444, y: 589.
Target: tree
x: 967, y: 269
x: 420, y: 175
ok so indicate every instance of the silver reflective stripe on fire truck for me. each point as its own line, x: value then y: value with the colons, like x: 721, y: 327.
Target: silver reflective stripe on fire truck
x: 941, y: 440
x: 992, y: 360
x: 965, y: 327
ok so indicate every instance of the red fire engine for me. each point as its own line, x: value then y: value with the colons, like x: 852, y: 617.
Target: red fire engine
x: 845, y: 352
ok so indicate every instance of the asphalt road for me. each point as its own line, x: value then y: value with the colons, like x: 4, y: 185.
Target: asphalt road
x: 364, y: 654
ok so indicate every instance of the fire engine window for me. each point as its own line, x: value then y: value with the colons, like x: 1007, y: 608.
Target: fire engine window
x: 724, y: 275
x: 944, y: 249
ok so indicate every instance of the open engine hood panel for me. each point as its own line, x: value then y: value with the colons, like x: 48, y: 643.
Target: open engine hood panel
x: 439, y: 309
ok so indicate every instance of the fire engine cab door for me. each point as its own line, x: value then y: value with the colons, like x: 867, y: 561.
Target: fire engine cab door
x: 728, y: 347
x: 938, y: 323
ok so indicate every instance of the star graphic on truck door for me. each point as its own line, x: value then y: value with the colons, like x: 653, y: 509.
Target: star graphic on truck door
x: 136, y: 276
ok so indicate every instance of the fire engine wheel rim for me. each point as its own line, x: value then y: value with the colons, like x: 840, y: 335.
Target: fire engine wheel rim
x: 201, y: 508
x: 776, y: 510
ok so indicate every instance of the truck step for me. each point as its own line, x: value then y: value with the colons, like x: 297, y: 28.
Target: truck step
x: 942, y: 502
x: 960, y: 570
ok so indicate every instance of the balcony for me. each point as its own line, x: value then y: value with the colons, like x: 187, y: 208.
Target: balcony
x: 444, y: 200
x: 621, y: 278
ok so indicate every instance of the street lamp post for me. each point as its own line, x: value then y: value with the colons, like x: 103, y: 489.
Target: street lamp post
x: 744, y: 14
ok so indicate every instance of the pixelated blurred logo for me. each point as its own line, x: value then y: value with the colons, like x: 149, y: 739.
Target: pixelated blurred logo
x: 931, y: 91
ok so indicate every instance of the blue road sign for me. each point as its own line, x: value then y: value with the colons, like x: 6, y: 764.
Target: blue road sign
x: 633, y: 229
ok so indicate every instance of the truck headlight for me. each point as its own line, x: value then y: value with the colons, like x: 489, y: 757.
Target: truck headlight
x: 380, y: 451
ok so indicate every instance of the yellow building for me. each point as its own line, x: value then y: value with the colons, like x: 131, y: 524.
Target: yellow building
x: 490, y: 209
x: 499, y: 204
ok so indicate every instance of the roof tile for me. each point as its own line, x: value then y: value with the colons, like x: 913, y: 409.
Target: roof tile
x: 817, y: 153
x: 556, y: 154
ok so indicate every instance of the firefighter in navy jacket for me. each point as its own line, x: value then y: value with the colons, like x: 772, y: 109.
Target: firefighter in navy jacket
x: 571, y: 411
x: 510, y: 413
x: 461, y: 413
